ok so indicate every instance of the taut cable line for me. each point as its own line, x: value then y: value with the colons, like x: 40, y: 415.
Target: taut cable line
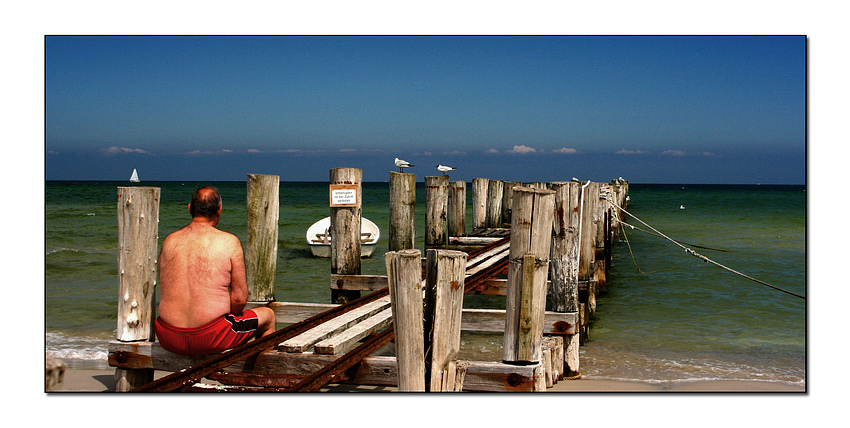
x: 698, y: 255
x: 623, y: 229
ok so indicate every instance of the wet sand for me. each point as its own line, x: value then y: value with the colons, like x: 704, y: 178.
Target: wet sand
x: 80, y: 380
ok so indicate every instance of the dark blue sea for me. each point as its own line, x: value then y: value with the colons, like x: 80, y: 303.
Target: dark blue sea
x: 667, y: 316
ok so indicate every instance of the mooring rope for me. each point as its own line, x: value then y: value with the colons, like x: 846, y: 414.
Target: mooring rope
x: 698, y: 255
x: 649, y: 232
x: 623, y: 229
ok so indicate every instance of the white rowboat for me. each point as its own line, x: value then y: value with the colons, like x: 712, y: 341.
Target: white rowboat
x: 319, y: 239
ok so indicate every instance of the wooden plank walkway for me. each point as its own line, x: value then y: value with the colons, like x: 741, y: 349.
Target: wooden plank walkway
x: 341, y: 334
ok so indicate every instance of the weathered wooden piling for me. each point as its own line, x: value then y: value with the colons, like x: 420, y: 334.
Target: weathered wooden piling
x: 495, y: 193
x: 404, y: 277
x: 531, y: 239
x: 427, y: 320
x: 587, y: 297
x: 538, y: 185
x: 436, y: 211
x: 507, y: 200
x: 54, y: 373
x: 479, y: 202
x: 563, y: 264
x: 138, y: 228
x: 402, y: 207
x: 263, y: 205
x: 600, y: 241
x: 444, y: 285
x: 616, y: 188
x: 456, y: 220
x: 619, y: 194
x: 346, y: 210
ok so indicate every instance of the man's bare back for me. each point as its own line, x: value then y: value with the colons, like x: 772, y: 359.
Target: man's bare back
x: 202, y: 276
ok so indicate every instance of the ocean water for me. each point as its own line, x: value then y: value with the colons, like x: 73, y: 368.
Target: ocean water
x: 667, y: 316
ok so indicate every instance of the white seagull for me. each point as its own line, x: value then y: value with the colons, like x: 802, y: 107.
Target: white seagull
x: 444, y: 169
x: 402, y: 164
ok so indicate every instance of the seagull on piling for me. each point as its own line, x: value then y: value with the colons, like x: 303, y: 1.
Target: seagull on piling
x: 444, y: 169
x: 402, y: 164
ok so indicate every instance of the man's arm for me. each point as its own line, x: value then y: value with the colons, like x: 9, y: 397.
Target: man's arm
x: 238, y: 280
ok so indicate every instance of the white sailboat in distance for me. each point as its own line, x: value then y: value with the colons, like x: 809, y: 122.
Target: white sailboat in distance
x: 135, y: 177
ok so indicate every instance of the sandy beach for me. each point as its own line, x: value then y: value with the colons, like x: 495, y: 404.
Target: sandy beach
x: 81, y: 380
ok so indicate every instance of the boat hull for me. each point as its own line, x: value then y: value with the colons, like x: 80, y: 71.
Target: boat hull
x: 318, y: 238
x: 325, y: 250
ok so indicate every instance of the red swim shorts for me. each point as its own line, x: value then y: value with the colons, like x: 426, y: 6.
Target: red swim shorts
x: 227, y: 332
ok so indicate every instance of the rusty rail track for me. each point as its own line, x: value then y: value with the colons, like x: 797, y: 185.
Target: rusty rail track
x: 333, y: 372
x: 472, y: 283
x: 193, y: 374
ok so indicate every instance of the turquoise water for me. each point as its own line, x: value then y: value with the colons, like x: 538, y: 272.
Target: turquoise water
x: 671, y: 316
x: 667, y: 316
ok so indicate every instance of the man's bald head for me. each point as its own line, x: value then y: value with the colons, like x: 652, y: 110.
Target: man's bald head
x: 205, y: 203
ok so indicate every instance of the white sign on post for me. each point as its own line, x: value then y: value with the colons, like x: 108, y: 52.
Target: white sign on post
x: 343, y: 195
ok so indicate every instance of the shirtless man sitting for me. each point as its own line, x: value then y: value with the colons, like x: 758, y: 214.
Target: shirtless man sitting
x: 204, y: 288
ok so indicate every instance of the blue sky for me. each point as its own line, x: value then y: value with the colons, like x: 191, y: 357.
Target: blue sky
x: 701, y: 109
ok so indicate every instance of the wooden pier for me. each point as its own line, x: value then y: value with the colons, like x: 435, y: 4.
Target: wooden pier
x: 545, y: 247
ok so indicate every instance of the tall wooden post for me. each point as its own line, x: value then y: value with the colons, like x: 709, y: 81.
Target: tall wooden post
x: 346, y: 210
x: 616, y: 190
x: 456, y: 220
x: 444, y: 285
x: 585, y: 272
x: 427, y: 321
x: 263, y: 205
x: 402, y: 207
x: 595, y: 218
x: 495, y: 191
x: 404, y: 278
x: 138, y: 227
x: 563, y: 265
x: 479, y: 202
x: 508, y: 200
x: 436, y: 206
x: 625, y: 195
x: 531, y: 241
x: 600, y: 256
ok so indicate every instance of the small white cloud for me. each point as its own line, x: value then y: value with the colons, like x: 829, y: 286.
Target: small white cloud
x: 455, y: 153
x: 492, y: 151
x: 565, y: 151
x: 707, y: 154
x: 115, y: 150
x: 253, y: 151
x: 348, y: 150
x: 52, y: 152
x: 208, y: 152
x: 522, y: 150
x: 630, y: 152
x: 673, y: 153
